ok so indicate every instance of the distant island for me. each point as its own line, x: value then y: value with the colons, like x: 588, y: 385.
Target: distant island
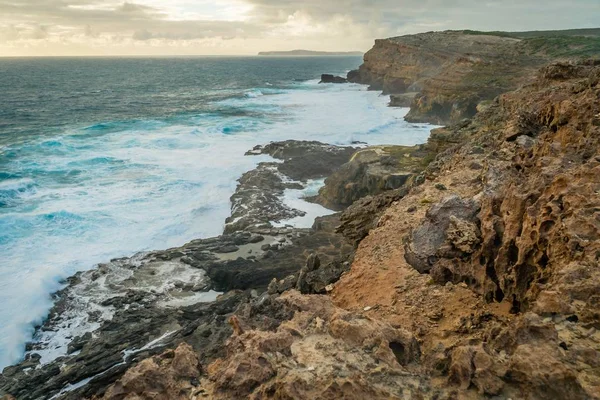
x: 310, y: 53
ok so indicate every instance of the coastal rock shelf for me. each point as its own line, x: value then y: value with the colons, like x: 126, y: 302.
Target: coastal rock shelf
x: 110, y: 317
x: 258, y: 201
x: 479, y: 280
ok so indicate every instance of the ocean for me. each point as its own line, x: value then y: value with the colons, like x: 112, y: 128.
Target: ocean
x: 105, y: 157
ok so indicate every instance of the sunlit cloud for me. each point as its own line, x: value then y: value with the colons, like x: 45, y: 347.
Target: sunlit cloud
x: 102, y: 27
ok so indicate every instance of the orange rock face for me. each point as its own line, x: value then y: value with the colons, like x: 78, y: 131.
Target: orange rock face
x: 508, y: 296
x: 169, y: 376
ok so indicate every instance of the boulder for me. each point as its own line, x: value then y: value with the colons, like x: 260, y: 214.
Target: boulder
x: 449, y: 229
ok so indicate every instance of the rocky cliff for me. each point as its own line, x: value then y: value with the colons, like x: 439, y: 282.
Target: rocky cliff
x: 492, y: 262
x: 482, y: 281
x: 445, y: 76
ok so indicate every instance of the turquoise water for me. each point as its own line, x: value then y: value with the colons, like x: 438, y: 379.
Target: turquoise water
x: 101, y: 157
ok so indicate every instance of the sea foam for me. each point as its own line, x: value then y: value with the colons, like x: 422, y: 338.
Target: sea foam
x: 119, y: 187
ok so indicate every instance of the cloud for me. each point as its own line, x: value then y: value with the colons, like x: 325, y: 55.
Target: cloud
x: 247, y: 26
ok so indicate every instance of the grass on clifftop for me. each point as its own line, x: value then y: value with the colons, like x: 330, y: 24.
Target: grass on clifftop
x: 577, y: 43
x: 590, y: 32
x: 565, y: 46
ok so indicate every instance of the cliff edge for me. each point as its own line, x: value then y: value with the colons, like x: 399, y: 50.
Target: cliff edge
x: 446, y: 76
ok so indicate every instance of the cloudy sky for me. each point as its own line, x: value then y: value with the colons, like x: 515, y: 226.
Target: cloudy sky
x: 184, y: 27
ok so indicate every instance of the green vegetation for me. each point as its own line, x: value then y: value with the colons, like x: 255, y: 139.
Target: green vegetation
x: 410, y: 158
x: 591, y: 32
x: 556, y: 44
x: 491, y: 33
x: 565, y: 46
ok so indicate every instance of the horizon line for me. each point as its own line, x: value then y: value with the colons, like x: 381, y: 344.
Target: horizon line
x: 175, y: 55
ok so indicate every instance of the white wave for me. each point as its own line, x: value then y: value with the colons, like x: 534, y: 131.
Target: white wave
x: 254, y: 93
x: 294, y: 198
x: 151, y: 185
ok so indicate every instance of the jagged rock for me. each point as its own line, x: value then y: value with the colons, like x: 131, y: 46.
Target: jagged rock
x: 508, y: 308
x: 156, y: 300
x: 280, y: 286
x: 312, y: 263
x: 402, y: 100
x: 463, y: 235
x: 315, y: 355
x: 314, y: 278
x: 304, y: 160
x: 471, y: 365
x: 516, y: 247
x: 258, y: 199
x: 439, y: 235
x: 170, y: 375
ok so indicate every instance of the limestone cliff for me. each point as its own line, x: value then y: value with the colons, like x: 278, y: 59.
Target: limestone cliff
x: 449, y: 74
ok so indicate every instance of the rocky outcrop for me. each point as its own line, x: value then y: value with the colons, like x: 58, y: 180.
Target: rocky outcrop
x: 327, y: 78
x: 258, y: 201
x: 448, y: 230
x: 173, y: 374
x: 478, y: 280
x: 372, y: 171
x: 122, y: 312
x: 452, y: 72
x: 305, y: 358
x: 363, y: 215
x: 402, y: 100
x: 313, y: 278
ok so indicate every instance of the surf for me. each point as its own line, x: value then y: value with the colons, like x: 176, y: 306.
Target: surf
x: 114, y: 188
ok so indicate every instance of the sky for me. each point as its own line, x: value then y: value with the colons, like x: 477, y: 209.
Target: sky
x: 244, y: 27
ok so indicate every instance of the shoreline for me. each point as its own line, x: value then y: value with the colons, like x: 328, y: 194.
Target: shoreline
x: 257, y: 236
x: 172, y: 220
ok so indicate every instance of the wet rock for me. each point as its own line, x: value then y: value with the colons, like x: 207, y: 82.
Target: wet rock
x: 227, y: 249
x: 304, y: 160
x: 156, y: 300
x: 78, y: 342
x: 256, y: 239
x: 327, y: 78
x: 258, y: 199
